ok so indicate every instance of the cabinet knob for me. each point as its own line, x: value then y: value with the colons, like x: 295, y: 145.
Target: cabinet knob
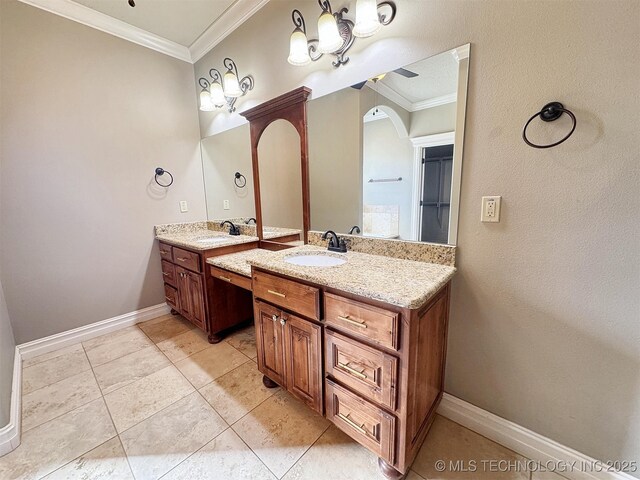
x: 275, y: 318
x: 282, y: 321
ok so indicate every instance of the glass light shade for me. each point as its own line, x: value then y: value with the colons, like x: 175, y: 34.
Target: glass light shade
x: 217, y: 94
x: 367, y: 20
x: 299, y: 49
x: 231, y: 85
x: 329, y: 39
x: 206, y: 105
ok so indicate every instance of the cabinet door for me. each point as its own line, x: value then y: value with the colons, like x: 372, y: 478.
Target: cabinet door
x: 183, y: 292
x: 270, y: 342
x: 196, y: 294
x: 303, y: 347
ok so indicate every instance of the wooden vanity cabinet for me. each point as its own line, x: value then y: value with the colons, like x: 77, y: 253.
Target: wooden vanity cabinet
x: 191, y: 290
x: 290, y: 352
x: 380, y: 375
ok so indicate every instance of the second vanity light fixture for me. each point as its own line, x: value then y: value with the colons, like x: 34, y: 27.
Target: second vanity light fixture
x: 336, y: 33
x: 223, y: 91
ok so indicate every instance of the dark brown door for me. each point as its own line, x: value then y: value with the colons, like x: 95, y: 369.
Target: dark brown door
x: 270, y: 342
x: 183, y: 292
x: 196, y: 294
x: 303, y: 347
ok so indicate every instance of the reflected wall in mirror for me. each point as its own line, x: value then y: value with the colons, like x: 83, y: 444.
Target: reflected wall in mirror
x: 280, y: 174
x: 385, y: 155
x: 223, y: 155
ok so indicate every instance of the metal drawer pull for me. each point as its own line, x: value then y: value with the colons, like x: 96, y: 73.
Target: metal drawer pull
x: 226, y: 279
x: 360, y: 428
x: 353, y: 322
x: 277, y: 293
x: 182, y: 259
x: 352, y: 371
x: 166, y: 274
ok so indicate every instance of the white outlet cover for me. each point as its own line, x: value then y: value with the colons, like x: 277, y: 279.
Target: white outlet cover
x: 490, y: 209
x: 225, y: 204
x: 183, y: 206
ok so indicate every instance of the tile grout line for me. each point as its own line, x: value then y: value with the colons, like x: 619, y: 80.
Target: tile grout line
x: 193, y: 453
x: 309, y: 448
x: 252, y: 451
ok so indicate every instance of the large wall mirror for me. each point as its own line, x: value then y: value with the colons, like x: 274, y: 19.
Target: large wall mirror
x: 385, y: 155
x: 384, y: 158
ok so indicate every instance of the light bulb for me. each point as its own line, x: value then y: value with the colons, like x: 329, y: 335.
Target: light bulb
x: 299, y: 49
x: 217, y: 94
x: 367, y: 20
x: 231, y: 85
x: 329, y: 37
x: 206, y: 105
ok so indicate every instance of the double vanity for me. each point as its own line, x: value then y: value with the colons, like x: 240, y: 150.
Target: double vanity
x: 355, y: 326
x: 359, y: 337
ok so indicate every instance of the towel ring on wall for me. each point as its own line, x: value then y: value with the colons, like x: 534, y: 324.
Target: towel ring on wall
x: 161, y: 171
x: 549, y: 113
x: 240, y: 180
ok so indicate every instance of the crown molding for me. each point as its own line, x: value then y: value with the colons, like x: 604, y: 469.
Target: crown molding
x: 92, y: 18
x: 461, y: 52
x: 232, y: 18
x: 434, y: 102
x: 403, y: 102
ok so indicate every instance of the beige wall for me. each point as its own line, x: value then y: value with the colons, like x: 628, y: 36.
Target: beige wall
x: 433, y: 120
x: 7, y: 341
x: 545, y: 310
x: 335, y: 166
x: 222, y: 156
x: 280, y: 172
x: 86, y: 117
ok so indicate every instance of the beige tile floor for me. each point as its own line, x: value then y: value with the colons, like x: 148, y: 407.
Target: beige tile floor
x: 158, y: 401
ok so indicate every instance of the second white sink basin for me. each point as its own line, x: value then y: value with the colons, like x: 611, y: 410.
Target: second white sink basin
x: 315, y: 260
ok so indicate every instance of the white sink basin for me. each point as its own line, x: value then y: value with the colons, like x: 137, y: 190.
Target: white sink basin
x: 212, y: 239
x: 315, y: 260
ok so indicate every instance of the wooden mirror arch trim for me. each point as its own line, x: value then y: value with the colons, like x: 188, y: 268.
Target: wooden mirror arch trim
x: 291, y: 107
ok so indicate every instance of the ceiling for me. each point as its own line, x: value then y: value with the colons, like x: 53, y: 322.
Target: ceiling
x: 437, y: 76
x: 184, y: 29
x: 181, y: 21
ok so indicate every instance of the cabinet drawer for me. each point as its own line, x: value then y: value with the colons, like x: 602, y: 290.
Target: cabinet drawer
x: 365, y: 370
x: 364, y: 422
x: 166, y: 252
x: 169, y: 273
x: 230, y: 277
x: 185, y: 259
x: 294, y: 296
x: 362, y: 320
x: 171, y: 295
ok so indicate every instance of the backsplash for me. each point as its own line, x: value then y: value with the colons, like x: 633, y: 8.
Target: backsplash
x: 213, y: 225
x: 417, y: 251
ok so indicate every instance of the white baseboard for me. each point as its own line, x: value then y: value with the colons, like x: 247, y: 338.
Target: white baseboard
x: 521, y: 440
x: 81, y: 334
x: 10, y: 433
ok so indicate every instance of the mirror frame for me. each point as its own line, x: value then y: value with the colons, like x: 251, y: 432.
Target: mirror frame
x: 292, y: 107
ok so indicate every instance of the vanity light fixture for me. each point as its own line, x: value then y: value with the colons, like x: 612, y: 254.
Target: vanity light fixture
x: 336, y: 33
x: 224, y: 90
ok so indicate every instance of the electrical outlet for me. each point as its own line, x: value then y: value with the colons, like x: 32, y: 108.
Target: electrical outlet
x: 225, y: 204
x: 490, y: 209
x: 183, y: 206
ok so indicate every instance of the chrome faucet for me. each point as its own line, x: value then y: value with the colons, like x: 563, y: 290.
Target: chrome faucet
x: 233, y: 229
x: 336, y: 244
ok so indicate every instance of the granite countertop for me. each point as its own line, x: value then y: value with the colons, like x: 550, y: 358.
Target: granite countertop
x: 239, y: 262
x: 405, y: 283
x: 198, y: 239
x: 269, y: 233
